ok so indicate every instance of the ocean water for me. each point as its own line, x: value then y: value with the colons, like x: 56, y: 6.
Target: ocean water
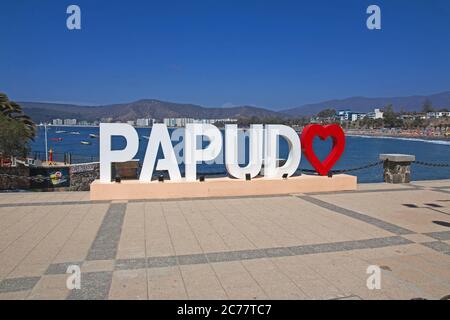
x: 359, y: 151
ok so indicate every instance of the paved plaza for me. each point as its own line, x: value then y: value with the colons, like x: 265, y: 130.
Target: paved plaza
x: 301, y: 246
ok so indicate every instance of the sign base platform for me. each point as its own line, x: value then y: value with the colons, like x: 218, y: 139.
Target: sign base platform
x: 219, y: 187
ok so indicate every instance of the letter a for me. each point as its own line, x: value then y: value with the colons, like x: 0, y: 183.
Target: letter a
x: 160, y: 137
x: 74, y: 20
x: 374, y: 21
x: 374, y: 280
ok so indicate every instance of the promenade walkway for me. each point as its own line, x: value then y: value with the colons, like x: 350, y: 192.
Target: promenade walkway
x: 302, y: 246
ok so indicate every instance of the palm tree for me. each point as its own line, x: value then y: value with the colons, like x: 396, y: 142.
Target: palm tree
x: 13, y: 111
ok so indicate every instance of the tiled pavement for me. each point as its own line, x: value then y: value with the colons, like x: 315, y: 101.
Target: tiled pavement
x: 305, y: 246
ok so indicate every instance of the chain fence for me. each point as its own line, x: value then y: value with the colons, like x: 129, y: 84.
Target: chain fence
x: 66, y: 158
x: 42, y: 178
x: 340, y: 171
x: 431, y: 164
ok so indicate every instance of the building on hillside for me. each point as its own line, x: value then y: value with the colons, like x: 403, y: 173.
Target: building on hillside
x: 348, y: 115
x: 70, y: 122
x: 376, y: 114
x: 413, y: 116
x: 57, y: 122
x: 343, y: 115
x: 438, y: 114
x: 144, y: 122
x: 228, y: 120
x: 355, y: 116
x: 170, y: 122
x: 182, y: 122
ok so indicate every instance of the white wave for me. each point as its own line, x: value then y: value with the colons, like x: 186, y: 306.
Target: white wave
x: 440, y: 142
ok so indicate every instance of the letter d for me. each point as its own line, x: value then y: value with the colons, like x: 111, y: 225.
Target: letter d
x: 271, y: 169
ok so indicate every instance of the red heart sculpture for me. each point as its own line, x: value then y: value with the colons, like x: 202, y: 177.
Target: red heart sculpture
x: 335, y: 132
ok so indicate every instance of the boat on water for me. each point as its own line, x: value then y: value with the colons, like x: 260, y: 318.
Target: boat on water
x: 74, y: 132
x: 93, y: 136
x: 61, y: 131
x: 86, y: 143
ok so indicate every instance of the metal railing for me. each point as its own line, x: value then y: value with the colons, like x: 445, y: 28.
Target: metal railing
x: 66, y: 158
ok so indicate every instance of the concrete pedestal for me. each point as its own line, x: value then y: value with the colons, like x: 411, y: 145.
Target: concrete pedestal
x: 219, y: 187
x: 397, y: 167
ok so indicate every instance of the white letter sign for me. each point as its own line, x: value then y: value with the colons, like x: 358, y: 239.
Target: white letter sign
x: 160, y: 136
x: 271, y: 151
x: 108, y: 156
x: 256, y: 141
x: 193, y: 154
x: 262, y: 150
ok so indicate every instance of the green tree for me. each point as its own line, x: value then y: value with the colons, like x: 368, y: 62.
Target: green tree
x: 16, y: 129
x: 13, y: 138
x: 13, y: 111
x: 418, y: 122
x: 327, y: 113
x: 389, y: 117
x: 378, y: 123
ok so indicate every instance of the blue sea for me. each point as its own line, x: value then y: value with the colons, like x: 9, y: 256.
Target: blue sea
x: 359, y: 151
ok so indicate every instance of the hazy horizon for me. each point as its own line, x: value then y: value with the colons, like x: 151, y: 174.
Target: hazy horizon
x: 225, y: 53
x: 186, y: 102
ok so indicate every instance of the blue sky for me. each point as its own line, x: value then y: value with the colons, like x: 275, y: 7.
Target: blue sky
x: 274, y: 54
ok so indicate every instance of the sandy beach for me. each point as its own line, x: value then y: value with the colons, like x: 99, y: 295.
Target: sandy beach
x: 395, y: 133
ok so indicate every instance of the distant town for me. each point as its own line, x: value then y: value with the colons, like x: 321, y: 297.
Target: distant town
x: 325, y: 116
x: 143, y: 122
x: 429, y: 123
x: 351, y: 116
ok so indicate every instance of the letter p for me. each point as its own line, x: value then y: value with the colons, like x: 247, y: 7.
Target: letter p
x: 107, y: 155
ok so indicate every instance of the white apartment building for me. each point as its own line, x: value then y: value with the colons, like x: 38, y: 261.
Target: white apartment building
x: 144, y: 122
x: 70, y: 122
x: 357, y: 116
x: 181, y: 122
x: 347, y: 115
x: 376, y: 114
x: 170, y: 122
x: 438, y: 115
x: 57, y: 122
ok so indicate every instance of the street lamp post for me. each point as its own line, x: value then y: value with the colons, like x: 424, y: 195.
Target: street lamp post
x: 46, y: 143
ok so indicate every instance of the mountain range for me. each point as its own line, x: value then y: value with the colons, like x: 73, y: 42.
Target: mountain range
x: 156, y: 109
x: 364, y: 104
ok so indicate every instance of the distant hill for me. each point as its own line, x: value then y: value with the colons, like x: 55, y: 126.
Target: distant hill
x: 363, y: 104
x: 155, y: 109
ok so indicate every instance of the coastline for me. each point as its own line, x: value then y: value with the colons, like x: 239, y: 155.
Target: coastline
x: 351, y: 133
x: 402, y: 136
